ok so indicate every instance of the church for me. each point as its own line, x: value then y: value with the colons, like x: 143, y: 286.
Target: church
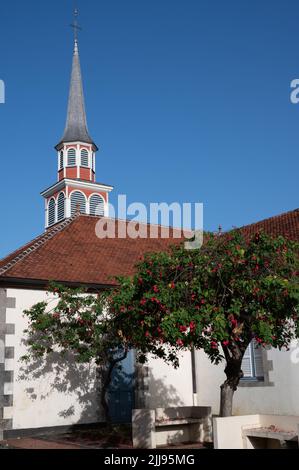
x: 59, y: 394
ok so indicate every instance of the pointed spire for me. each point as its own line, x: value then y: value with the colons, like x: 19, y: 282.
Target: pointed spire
x: 76, y: 124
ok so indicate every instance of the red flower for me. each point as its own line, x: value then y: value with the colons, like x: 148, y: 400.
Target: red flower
x: 202, y: 301
x: 142, y: 301
x: 192, y: 326
x: 214, y: 344
x: 156, y: 289
x: 180, y: 342
x: 182, y: 328
x: 225, y: 343
x: 147, y: 334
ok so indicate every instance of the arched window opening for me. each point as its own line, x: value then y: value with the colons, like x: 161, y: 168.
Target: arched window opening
x: 71, y: 157
x: 51, y: 212
x: 84, y: 158
x: 60, y: 207
x: 96, y: 205
x: 78, y: 202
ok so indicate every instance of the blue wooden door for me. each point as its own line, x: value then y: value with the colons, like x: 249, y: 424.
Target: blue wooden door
x: 121, y: 391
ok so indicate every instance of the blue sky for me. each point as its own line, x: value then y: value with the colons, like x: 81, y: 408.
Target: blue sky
x: 188, y: 100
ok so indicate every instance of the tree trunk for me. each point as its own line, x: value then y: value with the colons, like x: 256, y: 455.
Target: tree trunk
x: 226, y: 400
x: 234, y: 374
x: 105, y: 383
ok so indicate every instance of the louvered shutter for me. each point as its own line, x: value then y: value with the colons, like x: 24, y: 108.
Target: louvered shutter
x: 60, y: 207
x: 247, y: 365
x: 96, y: 205
x: 61, y: 160
x: 258, y: 361
x: 84, y: 158
x: 71, y: 157
x: 78, y: 201
x: 51, y: 212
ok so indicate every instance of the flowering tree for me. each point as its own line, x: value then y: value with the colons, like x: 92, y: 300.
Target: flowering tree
x: 218, y: 298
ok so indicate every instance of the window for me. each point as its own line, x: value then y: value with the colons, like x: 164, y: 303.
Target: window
x: 84, y: 158
x: 61, y: 160
x: 96, y: 205
x: 51, y: 212
x: 71, y: 157
x: 60, y: 207
x: 78, y: 202
x: 252, y: 364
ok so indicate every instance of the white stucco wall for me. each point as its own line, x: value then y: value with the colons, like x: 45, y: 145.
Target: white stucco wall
x: 63, y: 393
x: 279, y: 398
x: 170, y: 387
x: 56, y: 394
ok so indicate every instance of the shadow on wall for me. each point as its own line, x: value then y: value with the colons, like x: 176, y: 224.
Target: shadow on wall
x: 64, y: 375
x: 161, y: 395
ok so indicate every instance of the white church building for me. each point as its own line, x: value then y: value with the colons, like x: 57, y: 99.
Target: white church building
x: 57, y: 393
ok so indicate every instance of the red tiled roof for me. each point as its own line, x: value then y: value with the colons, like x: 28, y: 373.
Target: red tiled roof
x: 71, y: 251
x: 286, y: 225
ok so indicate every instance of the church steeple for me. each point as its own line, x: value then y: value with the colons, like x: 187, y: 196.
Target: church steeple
x: 76, y: 188
x: 76, y: 124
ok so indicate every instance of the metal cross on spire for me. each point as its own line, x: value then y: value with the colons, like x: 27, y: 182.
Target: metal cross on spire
x: 75, y: 25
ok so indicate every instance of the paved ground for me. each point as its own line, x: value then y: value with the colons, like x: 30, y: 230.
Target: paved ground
x: 52, y: 443
x: 32, y: 443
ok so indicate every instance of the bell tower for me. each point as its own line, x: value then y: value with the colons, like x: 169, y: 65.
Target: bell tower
x: 76, y: 187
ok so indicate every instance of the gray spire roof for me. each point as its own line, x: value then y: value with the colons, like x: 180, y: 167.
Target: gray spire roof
x: 76, y: 124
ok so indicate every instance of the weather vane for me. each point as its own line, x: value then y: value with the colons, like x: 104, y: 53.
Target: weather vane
x: 75, y: 24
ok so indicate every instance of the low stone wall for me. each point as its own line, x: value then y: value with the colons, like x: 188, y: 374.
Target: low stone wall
x: 162, y: 426
x: 234, y: 432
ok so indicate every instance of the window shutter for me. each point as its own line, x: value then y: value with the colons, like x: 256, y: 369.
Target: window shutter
x: 247, y: 366
x: 78, y: 201
x: 96, y: 205
x: 60, y: 207
x: 258, y: 361
x: 51, y: 212
x: 84, y: 158
x: 71, y: 157
x: 61, y: 160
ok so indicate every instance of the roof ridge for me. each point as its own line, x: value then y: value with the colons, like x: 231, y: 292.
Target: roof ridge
x: 37, y: 243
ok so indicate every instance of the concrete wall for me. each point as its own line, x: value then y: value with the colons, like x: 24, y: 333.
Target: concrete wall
x: 279, y: 394
x: 228, y: 431
x: 44, y: 394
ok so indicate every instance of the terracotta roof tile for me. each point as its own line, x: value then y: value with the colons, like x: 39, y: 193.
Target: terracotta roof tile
x: 71, y: 251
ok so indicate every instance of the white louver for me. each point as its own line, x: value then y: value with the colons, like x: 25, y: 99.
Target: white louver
x: 96, y: 205
x: 78, y: 201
